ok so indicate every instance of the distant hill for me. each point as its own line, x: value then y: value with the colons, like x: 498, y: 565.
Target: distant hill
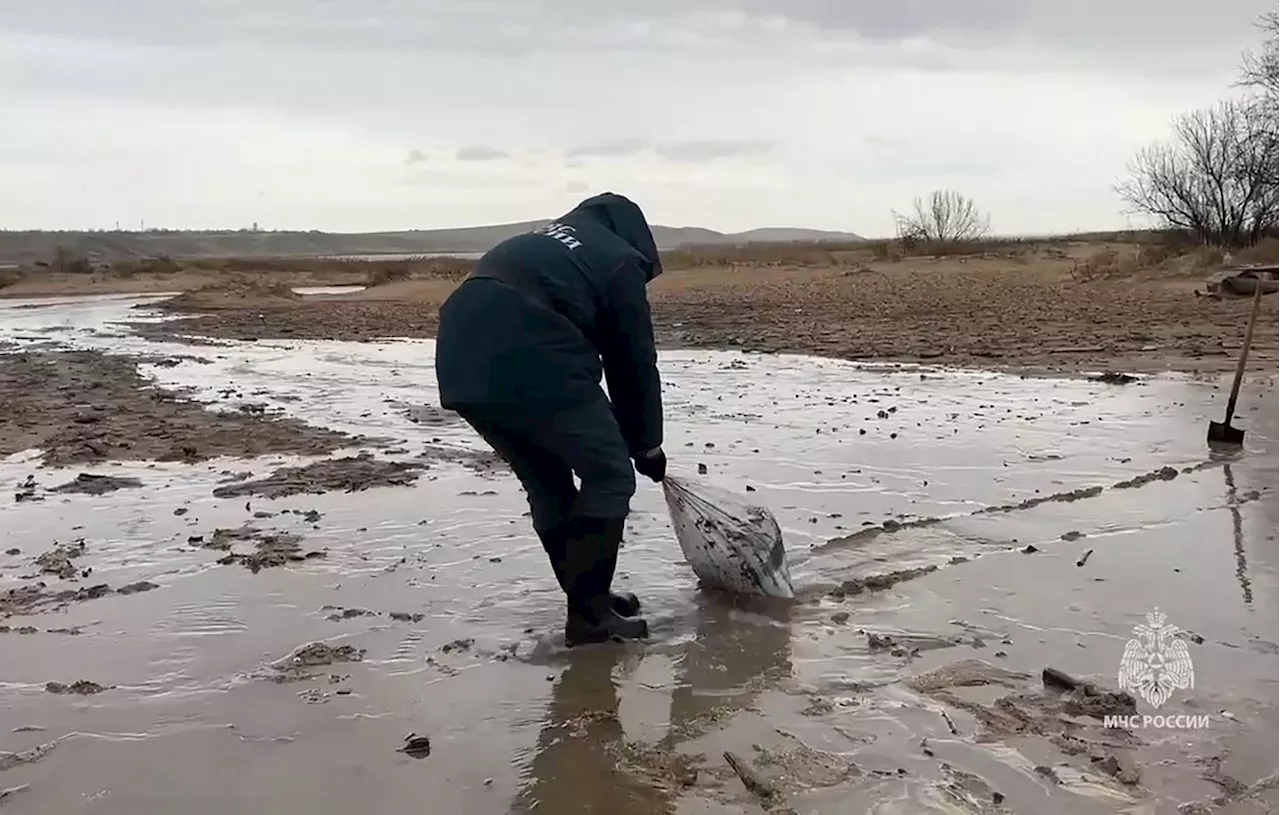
x: 30, y: 247
x: 781, y: 234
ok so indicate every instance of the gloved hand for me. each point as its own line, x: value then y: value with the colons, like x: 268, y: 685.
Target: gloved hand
x: 652, y: 464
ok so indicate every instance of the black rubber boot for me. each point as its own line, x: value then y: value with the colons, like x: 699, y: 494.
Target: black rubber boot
x: 591, y: 554
x: 625, y: 604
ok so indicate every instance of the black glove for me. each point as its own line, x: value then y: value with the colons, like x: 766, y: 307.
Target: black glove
x: 652, y: 465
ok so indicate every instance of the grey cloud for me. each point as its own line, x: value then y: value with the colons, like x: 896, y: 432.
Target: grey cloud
x: 415, y: 157
x: 339, y: 58
x: 1140, y: 24
x: 576, y: 186
x: 479, y: 152
x: 619, y: 147
x: 444, y: 178
x: 406, y: 26
x: 503, y: 26
x: 905, y: 18
x: 711, y: 149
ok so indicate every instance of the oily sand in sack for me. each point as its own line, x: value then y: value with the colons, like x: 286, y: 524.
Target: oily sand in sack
x: 730, y: 543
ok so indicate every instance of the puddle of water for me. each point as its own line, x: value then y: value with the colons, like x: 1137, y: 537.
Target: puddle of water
x: 514, y: 720
x: 308, y: 291
x: 411, y: 256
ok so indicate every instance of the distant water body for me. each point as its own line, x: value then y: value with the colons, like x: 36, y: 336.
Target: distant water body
x: 411, y: 256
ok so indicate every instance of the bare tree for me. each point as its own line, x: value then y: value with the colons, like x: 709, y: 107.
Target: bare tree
x: 1216, y: 178
x: 945, y: 217
x: 1260, y: 77
x: 1260, y: 70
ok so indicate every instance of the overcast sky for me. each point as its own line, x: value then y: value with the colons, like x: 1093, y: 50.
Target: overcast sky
x: 390, y: 114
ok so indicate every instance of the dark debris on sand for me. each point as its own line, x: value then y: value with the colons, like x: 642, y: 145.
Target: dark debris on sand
x: 302, y: 662
x: 269, y: 548
x: 349, y: 474
x: 81, y: 687
x: 58, y: 560
x: 35, y: 597
x: 94, y: 484
x: 87, y: 406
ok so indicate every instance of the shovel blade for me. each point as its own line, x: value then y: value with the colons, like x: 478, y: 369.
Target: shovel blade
x: 1223, y: 433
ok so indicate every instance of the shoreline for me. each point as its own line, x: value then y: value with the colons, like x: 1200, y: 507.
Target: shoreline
x: 1026, y: 308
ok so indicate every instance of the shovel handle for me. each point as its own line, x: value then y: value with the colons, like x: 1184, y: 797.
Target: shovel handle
x: 1244, y: 353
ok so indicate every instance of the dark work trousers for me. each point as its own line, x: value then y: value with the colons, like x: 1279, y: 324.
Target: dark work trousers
x: 547, y: 451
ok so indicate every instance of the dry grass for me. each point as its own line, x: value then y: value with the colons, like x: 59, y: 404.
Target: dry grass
x: 1266, y: 252
x: 811, y: 255
x: 854, y: 255
x: 982, y: 310
x: 372, y: 272
x: 232, y: 290
x: 1104, y: 256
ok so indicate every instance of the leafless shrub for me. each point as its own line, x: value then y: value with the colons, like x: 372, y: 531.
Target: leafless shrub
x: 945, y: 218
x: 345, y: 269
x: 1215, y: 179
x: 809, y: 254
x: 161, y: 265
x: 1107, y: 262
x: 390, y: 272
x: 883, y: 250
x: 68, y: 262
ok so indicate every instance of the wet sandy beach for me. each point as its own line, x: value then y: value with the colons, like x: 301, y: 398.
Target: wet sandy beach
x: 248, y: 631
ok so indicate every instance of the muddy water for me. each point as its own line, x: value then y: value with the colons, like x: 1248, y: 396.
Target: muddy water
x: 882, y: 478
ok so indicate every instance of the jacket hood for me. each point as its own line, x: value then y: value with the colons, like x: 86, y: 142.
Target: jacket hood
x: 621, y: 216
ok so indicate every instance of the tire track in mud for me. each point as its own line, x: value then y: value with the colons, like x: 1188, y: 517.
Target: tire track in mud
x: 1162, y: 474
x: 876, y: 581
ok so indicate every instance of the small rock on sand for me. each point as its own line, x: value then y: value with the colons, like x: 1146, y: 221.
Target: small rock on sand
x: 877, y: 643
x: 349, y: 614
x: 1089, y: 700
x: 57, y: 561
x: 297, y: 664
x: 1122, y: 771
x: 82, y: 687
x: 1113, y: 378
x: 93, y: 484
x: 463, y: 644
x: 135, y: 588
x: 416, y: 746
x: 755, y: 783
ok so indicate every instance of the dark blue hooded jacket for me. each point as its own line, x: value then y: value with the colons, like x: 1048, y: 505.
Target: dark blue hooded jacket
x: 546, y: 313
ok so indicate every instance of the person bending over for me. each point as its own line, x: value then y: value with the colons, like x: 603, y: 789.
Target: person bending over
x: 521, y: 347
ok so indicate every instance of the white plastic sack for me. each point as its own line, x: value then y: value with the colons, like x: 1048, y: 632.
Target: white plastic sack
x: 731, y: 544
